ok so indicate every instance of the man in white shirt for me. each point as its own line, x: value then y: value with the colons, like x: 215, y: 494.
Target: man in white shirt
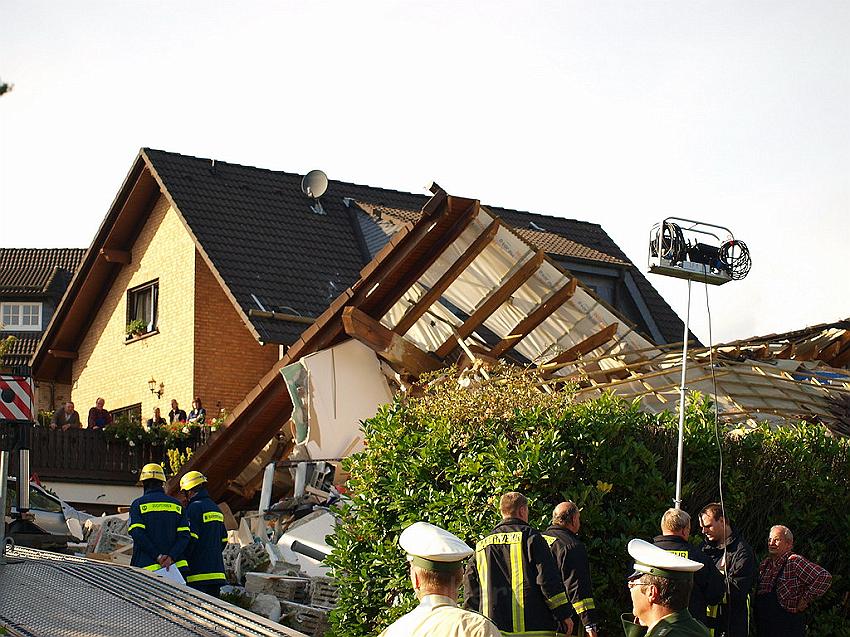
x: 436, y: 560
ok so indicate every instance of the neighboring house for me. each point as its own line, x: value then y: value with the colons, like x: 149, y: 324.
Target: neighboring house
x: 221, y: 267
x: 32, y: 282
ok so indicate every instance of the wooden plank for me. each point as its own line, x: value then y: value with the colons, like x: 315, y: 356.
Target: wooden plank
x: 580, y: 349
x: 493, y: 301
x: 61, y: 353
x: 415, y: 312
x: 112, y: 255
x: 387, y: 344
x: 533, y: 320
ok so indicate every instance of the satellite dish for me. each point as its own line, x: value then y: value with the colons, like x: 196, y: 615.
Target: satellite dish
x: 314, y: 184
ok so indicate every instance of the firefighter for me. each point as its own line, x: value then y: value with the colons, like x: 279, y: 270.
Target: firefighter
x: 158, y: 524
x: 208, y: 536
x: 708, y: 582
x: 571, y: 558
x: 513, y: 579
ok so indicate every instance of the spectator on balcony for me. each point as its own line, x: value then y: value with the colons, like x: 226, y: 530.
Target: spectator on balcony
x: 198, y: 415
x: 156, y: 421
x: 99, y: 418
x: 176, y: 414
x: 65, y: 418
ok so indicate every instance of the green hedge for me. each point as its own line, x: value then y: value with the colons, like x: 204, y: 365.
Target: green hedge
x: 447, y: 456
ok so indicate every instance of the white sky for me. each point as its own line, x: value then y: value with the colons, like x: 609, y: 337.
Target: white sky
x: 620, y: 113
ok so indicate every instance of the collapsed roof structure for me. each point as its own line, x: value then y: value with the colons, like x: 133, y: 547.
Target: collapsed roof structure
x: 455, y: 284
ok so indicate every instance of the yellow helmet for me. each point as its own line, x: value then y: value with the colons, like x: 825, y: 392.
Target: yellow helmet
x: 191, y: 480
x: 152, y: 471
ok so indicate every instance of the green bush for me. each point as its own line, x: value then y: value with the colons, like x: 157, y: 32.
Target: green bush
x: 445, y: 458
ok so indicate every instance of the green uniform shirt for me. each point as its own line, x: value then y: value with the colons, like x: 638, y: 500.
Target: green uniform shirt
x: 679, y: 624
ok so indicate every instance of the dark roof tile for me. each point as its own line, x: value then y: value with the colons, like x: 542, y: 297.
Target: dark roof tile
x: 275, y: 253
x: 30, y: 271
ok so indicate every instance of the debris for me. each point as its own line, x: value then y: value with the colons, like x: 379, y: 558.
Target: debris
x: 306, y: 619
x: 266, y: 605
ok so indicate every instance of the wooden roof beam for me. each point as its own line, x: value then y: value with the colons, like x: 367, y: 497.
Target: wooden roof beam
x: 387, y: 344
x: 111, y: 255
x: 59, y: 353
x: 415, y: 312
x: 492, y: 302
x: 580, y: 349
x: 533, y: 320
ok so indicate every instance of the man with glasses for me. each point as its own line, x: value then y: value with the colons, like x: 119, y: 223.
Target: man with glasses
x: 660, y: 588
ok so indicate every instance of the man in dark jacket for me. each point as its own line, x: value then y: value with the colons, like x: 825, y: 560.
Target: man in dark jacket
x: 158, y: 524
x: 734, y: 558
x: 708, y: 583
x: 512, y: 579
x: 208, y: 536
x: 571, y: 559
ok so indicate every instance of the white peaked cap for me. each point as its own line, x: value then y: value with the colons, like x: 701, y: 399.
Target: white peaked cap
x: 652, y: 560
x: 433, y: 548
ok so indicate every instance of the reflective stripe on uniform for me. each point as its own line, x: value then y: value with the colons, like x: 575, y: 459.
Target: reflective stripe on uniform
x: 517, y: 601
x: 224, y: 540
x: 194, y: 535
x: 137, y: 525
x: 203, y: 577
x: 558, y: 600
x: 483, y: 584
x: 213, y: 516
x: 152, y: 567
x: 182, y: 528
x: 181, y: 564
x: 584, y: 605
x: 549, y: 539
x: 150, y: 507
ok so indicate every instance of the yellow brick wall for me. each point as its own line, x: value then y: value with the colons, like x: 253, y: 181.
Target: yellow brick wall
x: 228, y: 359
x: 109, y: 366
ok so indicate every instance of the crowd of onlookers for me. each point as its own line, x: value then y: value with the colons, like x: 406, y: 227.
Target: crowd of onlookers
x: 66, y: 417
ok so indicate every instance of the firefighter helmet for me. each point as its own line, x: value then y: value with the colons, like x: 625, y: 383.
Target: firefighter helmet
x: 152, y: 471
x: 191, y: 480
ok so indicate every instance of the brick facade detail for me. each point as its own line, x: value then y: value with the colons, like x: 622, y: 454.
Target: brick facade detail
x: 202, y: 348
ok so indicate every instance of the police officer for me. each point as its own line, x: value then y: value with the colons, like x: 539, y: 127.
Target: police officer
x: 708, y: 582
x: 571, y: 558
x: 208, y: 536
x: 660, y: 588
x: 436, y: 568
x: 513, y: 579
x: 158, y: 524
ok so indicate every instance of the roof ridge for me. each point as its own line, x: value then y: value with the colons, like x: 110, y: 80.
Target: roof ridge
x: 286, y: 172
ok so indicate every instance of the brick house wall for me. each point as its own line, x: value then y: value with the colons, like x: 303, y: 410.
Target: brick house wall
x: 228, y: 359
x: 203, y: 347
x: 118, y: 370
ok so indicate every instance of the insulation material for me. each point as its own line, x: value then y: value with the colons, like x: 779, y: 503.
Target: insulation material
x: 344, y: 385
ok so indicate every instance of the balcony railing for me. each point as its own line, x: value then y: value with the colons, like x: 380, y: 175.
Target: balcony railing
x: 93, y: 456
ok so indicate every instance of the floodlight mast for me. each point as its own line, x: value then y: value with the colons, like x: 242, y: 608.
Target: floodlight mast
x: 671, y: 254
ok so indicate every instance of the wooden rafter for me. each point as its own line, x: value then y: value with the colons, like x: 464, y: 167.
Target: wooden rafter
x: 415, y: 312
x: 116, y: 256
x: 533, y: 320
x: 493, y: 301
x: 580, y: 349
x: 387, y: 344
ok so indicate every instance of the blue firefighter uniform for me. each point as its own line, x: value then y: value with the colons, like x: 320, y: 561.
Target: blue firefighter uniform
x: 208, y: 539
x: 158, y: 526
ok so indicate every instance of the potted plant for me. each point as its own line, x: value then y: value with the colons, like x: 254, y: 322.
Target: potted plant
x: 135, y: 328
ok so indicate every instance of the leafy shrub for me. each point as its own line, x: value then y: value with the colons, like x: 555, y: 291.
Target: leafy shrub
x: 445, y: 458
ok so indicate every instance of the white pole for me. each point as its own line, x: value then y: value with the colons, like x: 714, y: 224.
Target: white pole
x: 266, y: 491
x: 678, y: 500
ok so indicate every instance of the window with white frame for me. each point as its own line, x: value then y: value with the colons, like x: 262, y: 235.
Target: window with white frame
x: 142, y: 306
x: 20, y: 317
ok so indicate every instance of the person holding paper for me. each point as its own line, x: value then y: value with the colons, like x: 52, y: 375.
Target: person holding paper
x: 208, y: 536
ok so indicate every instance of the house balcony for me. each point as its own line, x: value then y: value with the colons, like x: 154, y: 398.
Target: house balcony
x: 83, y: 455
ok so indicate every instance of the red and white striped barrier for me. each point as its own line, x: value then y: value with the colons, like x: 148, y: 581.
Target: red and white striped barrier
x: 16, y: 398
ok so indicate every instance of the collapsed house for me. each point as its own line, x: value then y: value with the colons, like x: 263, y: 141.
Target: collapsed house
x: 457, y: 286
